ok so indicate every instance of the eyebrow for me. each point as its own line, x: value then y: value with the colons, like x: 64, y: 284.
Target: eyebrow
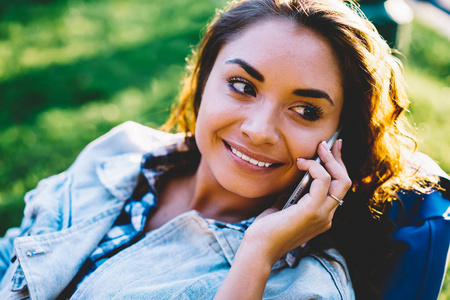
x: 310, y: 93
x: 313, y: 93
x: 247, y: 68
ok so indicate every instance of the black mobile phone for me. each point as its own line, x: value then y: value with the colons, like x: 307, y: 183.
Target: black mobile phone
x: 305, y: 182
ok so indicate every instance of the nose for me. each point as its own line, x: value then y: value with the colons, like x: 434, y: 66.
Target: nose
x: 260, y: 124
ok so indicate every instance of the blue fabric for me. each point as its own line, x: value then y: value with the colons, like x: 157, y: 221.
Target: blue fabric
x: 68, y: 215
x: 188, y: 258
x: 421, y: 243
x: 129, y: 226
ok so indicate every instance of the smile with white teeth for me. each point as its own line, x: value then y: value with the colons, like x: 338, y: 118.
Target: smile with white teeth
x: 249, y: 159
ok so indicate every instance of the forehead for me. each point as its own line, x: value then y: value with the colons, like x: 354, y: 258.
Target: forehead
x: 281, y: 49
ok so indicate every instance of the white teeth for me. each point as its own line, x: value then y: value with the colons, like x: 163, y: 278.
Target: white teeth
x: 249, y: 159
x: 254, y: 161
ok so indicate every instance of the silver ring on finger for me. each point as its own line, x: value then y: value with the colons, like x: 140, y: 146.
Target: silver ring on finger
x: 336, y: 198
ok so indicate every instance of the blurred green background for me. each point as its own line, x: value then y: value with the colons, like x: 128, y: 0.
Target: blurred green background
x: 70, y: 70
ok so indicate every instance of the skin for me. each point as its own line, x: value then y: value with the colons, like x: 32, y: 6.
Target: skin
x: 266, y: 123
x: 274, y: 94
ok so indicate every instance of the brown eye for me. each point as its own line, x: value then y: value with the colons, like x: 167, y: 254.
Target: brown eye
x: 241, y: 86
x: 309, y: 112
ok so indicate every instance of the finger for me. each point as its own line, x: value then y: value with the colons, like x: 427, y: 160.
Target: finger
x: 320, y: 179
x: 332, y: 178
x: 340, y: 182
x: 329, y: 160
x: 336, y: 150
x: 336, y: 193
x: 338, y: 201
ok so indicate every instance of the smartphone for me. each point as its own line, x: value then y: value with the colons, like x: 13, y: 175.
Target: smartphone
x: 306, y: 180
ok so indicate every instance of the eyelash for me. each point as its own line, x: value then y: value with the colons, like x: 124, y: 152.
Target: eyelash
x: 315, y: 111
x: 314, y: 114
x: 233, y: 80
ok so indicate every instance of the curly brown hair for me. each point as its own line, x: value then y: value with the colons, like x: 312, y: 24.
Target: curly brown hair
x: 377, y: 146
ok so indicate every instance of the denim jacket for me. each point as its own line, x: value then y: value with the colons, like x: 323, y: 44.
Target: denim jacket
x: 67, y: 215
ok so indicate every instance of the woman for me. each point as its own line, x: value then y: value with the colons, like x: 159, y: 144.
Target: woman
x: 270, y: 83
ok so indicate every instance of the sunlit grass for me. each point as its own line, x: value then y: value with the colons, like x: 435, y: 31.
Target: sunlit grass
x: 71, y: 70
x: 51, y: 144
x: 430, y: 109
x: 66, y: 32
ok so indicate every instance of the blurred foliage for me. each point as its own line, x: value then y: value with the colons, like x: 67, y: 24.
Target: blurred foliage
x: 429, y: 53
x: 73, y: 52
x: 430, y: 108
x: 70, y: 70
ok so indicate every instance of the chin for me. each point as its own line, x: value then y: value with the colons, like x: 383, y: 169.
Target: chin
x: 250, y: 192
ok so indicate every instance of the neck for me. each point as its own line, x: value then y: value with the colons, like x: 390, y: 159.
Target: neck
x: 213, y: 201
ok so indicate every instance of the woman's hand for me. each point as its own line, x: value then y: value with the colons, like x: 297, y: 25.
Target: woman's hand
x: 276, y: 232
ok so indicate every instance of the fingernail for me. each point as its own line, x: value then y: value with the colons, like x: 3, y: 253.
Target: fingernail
x: 340, y: 144
x: 325, y: 145
x: 300, y: 159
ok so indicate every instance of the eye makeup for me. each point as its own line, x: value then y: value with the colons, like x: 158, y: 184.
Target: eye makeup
x: 309, y: 111
x: 241, y: 86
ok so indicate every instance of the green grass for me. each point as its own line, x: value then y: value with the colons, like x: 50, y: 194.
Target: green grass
x: 71, y: 69
x: 430, y: 109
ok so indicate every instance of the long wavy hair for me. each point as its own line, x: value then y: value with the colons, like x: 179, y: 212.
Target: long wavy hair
x: 376, y: 144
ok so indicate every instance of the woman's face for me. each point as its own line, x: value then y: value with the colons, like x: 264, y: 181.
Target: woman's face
x: 274, y: 93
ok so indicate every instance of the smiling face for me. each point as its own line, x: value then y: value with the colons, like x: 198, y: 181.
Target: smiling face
x: 274, y: 93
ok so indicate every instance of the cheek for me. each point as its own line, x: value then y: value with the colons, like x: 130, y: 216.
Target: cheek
x: 304, y: 143
x: 211, y: 121
x: 303, y: 150
x: 301, y: 143
x: 207, y: 114
x: 216, y: 112
x: 201, y: 129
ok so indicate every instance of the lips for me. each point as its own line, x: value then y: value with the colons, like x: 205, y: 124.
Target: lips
x: 260, y: 162
x: 249, y: 159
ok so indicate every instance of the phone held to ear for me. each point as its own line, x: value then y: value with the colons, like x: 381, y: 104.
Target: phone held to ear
x: 305, y: 182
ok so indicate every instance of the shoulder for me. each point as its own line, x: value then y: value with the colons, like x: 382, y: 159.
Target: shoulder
x: 112, y: 162
x: 103, y: 175
x: 129, y: 138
